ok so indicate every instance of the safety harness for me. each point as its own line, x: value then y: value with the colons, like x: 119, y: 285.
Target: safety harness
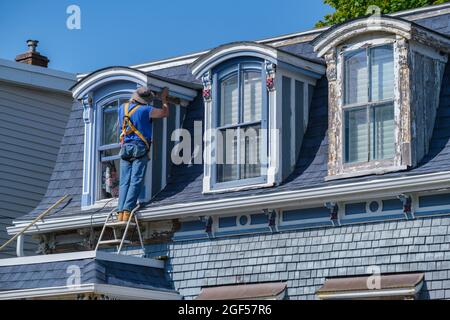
x: 128, y: 123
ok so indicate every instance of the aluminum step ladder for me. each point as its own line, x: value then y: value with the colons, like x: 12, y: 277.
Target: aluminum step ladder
x: 111, y: 222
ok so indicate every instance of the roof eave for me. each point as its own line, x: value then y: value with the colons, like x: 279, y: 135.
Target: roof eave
x: 304, y: 197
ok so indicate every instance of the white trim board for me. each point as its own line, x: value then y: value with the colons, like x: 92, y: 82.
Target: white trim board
x: 106, y: 289
x: 34, y: 76
x: 386, y: 187
x: 105, y: 256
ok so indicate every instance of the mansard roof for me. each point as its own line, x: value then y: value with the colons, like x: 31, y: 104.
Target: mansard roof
x: 185, y: 184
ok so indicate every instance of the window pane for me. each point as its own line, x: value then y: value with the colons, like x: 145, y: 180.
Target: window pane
x: 110, y: 133
x: 382, y: 130
x: 109, y: 153
x: 382, y: 64
x: 227, y: 167
x: 110, y: 179
x: 356, y: 79
x: 252, y: 96
x: 123, y: 100
x: 356, y: 140
x: 229, y: 104
x: 250, y: 152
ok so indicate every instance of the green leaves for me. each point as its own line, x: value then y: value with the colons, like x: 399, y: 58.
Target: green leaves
x: 349, y: 9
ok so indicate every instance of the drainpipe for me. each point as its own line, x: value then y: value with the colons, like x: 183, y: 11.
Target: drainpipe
x: 19, y: 246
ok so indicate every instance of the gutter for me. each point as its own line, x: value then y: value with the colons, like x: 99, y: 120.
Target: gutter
x: 297, y: 198
x: 121, y: 292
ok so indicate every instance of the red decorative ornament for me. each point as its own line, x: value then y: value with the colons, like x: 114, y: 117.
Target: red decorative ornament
x: 270, y: 83
x: 207, y: 94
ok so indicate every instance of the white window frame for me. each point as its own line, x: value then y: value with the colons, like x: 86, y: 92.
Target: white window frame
x: 372, y: 166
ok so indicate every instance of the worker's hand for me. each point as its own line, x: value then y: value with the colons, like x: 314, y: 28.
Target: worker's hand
x: 165, y: 94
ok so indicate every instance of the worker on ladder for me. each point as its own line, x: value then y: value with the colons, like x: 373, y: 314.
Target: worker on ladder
x: 135, y: 118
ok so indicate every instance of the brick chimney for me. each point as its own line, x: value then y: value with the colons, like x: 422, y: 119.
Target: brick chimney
x: 32, y: 56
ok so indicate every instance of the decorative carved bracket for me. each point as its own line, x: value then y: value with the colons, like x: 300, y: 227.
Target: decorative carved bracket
x: 46, y: 243
x: 208, y: 224
x: 271, y: 69
x: 87, y: 101
x: 207, y: 82
x: 334, y: 210
x: 271, y: 219
x: 407, y: 205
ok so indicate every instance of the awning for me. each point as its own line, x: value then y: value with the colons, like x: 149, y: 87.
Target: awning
x: 269, y: 291
x: 405, y: 285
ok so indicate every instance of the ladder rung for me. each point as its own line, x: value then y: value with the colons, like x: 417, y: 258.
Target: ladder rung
x: 119, y: 224
x: 114, y: 242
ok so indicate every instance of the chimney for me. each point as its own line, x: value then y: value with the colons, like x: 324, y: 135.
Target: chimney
x: 32, y: 56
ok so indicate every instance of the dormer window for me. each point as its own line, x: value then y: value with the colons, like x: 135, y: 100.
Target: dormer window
x: 384, y: 76
x: 256, y: 111
x: 368, y: 108
x: 101, y: 93
x: 109, y: 149
x: 240, y: 118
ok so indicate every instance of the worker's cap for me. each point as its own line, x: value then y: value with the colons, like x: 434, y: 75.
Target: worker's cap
x: 143, y: 95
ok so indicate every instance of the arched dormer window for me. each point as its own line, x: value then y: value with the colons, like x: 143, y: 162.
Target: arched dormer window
x: 101, y: 93
x: 384, y: 78
x: 240, y: 116
x: 256, y: 112
x: 108, y: 146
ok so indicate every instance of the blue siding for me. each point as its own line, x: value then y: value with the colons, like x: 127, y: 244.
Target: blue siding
x: 392, y: 204
x: 302, y: 214
x: 286, y: 128
x: 434, y: 200
x: 226, y: 222
x: 259, y: 218
x: 192, y: 226
x: 355, y: 208
x: 299, y: 115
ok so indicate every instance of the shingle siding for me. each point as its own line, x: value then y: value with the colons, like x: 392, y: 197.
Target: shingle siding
x: 32, y: 126
x: 59, y: 274
x: 305, y: 258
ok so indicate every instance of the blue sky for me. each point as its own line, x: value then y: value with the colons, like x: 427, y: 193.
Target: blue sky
x: 136, y: 31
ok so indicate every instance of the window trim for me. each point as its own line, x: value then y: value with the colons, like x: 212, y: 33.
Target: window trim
x: 221, y: 73
x: 340, y: 169
x: 98, y: 147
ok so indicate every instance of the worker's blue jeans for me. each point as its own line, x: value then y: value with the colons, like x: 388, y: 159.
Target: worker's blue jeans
x: 133, y: 165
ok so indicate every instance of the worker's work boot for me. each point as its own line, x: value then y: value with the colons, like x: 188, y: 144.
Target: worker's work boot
x: 126, y: 216
x: 119, y: 216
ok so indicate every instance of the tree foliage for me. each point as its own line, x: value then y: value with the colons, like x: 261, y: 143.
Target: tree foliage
x: 348, y: 9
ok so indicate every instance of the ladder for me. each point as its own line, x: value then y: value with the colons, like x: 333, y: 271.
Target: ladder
x: 111, y: 222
